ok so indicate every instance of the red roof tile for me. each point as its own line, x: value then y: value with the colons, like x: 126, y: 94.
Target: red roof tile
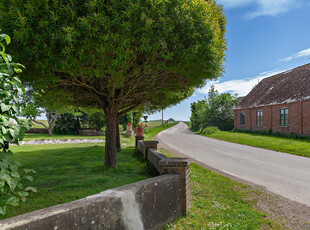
x: 287, y: 87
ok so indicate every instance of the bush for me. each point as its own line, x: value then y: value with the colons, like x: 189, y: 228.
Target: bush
x: 210, y: 130
x: 94, y: 121
x: 67, y: 123
x: 12, y: 130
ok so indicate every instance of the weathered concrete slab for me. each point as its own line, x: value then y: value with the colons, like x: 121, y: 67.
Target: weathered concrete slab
x: 148, y: 204
x: 155, y: 157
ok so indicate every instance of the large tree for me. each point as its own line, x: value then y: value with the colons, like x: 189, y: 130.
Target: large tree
x: 216, y: 110
x: 116, y: 54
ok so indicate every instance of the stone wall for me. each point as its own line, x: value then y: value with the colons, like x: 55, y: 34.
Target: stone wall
x: 37, y: 130
x: 90, y: 132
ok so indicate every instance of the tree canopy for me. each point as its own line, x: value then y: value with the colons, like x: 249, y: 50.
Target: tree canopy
x: 117, y: 54
x: 216, y: 110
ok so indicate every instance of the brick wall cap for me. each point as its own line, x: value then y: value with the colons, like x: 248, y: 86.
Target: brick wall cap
x: 151, y: 142
x: 174, y: 162
x: 158, y: 154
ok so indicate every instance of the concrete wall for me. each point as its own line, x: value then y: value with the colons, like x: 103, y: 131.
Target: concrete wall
x: 299, y: 118
x: 148, y: 204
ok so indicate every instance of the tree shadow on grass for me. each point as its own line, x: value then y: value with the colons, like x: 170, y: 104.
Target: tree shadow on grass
x: 68, y: 173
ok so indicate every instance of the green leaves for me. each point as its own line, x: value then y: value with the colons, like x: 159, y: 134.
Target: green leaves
x: 11, y: 131
x: 3, y: 210
x: 11, y: 186
x: 31, y: 189
x: 6, y: 38
x: 4, y: 108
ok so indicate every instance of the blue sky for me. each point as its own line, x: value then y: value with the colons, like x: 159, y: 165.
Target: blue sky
x: 264, y: 37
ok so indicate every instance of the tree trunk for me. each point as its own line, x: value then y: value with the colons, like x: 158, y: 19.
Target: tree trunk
x: 118, y: 139
x: 51, y: 124
x: 50, y: 131
x: 110, y: 137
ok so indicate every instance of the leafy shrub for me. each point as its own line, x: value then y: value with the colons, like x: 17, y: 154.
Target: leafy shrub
x: 210, y: 130
x: 69, y: 123
x: 92, y: 120
x: 216, y: 110
x: 12, y: 130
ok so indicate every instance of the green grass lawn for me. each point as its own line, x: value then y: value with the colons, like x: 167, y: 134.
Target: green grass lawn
x: 67, y: 172
x: 218, y: 202
x: 281, y: 144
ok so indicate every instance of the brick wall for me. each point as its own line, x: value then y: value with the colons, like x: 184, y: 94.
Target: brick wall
x: 165, y: 165
x: 298, y: 118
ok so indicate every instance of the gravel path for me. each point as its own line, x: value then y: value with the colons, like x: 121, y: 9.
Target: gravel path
x: 60, y: 141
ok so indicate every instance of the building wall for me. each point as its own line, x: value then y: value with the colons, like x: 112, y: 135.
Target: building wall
x: 306, y: 117
x: 298, y: 118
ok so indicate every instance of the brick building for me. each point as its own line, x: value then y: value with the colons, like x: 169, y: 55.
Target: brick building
x: 280, y: 103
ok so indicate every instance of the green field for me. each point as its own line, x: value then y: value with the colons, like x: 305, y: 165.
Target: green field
x: 67, y: 172
x: 282, y: 144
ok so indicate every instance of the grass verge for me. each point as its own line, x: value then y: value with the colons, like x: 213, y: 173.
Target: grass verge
x: 281, y: 144
x: 218, y: 202
x: 153, y: 130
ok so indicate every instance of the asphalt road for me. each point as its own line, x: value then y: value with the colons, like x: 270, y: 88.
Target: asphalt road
x: 280, y: 173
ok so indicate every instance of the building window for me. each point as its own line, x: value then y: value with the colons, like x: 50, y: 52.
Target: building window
x: 242, y: 118
x: 284, y: 117
x: 259, y: 118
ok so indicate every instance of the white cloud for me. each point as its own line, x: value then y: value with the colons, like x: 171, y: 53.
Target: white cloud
x: 240, y: 86
x: 235, y: 3
x: 300, y: 54
x: 263, y: 7
x: 273, y: 8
